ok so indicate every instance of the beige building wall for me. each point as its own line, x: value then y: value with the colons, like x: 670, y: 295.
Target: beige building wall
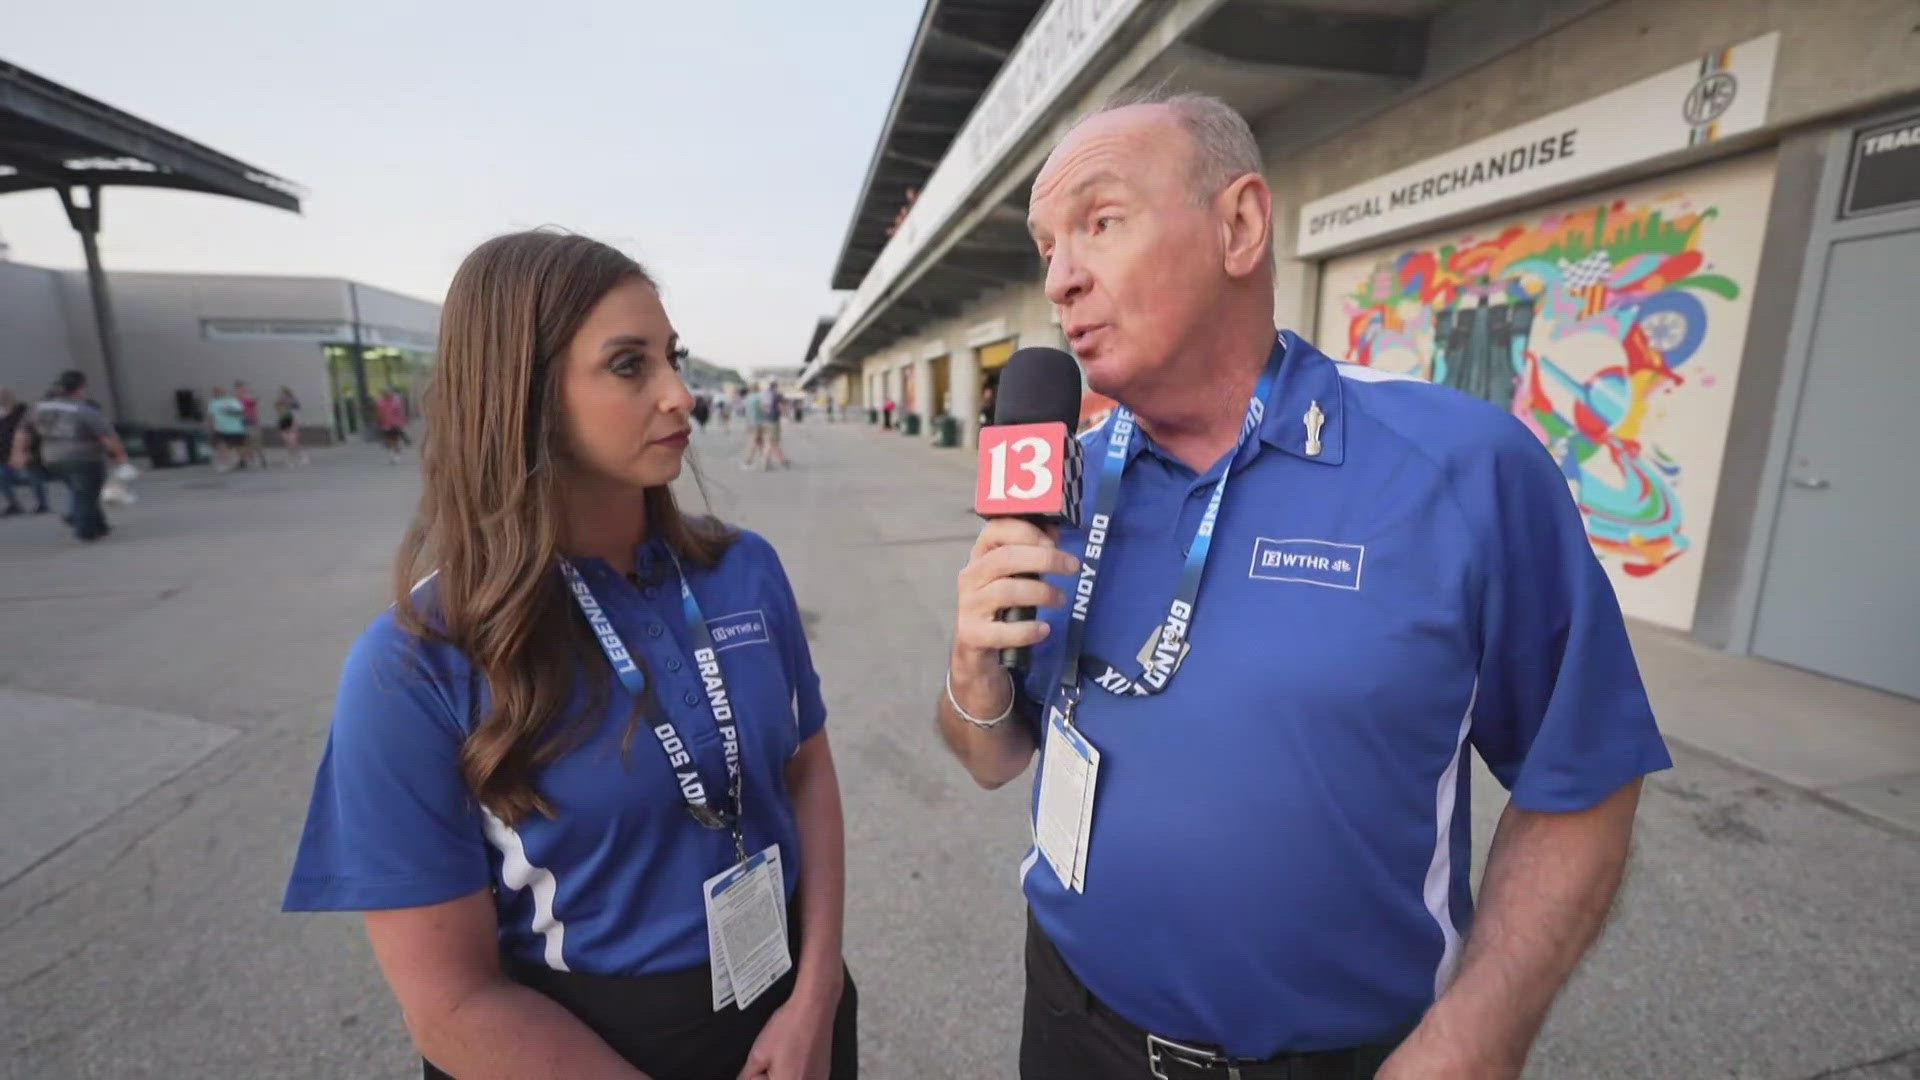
x: 1834, y: 60
x: 1835, y: 56
x: 40, y: 325
x: 1020, y: 308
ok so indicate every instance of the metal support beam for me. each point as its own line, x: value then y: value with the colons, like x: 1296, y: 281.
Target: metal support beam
x: 1003, y: 267
x: 922, y: 147
x: 960, y: 43
x: 934, y: 90
x: 965, y: 272
x: 996, y: 245
x: 942, y: 128
x: 85, y: 220
x: 905, y: 157
x: 364, y: 404
x: 896, y: 171
x: 927, y: 309
x: 1284, y: 36
x: 114, y: 133
x: 897, y: 324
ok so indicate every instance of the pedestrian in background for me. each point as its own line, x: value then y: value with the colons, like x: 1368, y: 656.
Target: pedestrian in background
x: 76, y: 443
x: 1271, y: 875
x: 771, y: 453
x: 755, y: 406
x: 590, y: 715
x: 227, y: 416
x: 254, y: 448
x: 288, y: 424
x: 13, y: 412
x: 392, y: 410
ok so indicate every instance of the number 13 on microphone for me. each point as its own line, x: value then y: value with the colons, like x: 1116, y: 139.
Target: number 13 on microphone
x: 1024, y: 470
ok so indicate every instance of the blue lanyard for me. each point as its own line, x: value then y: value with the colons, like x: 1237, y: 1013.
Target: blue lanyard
x: 1154, y: 676
x: 707, y: 662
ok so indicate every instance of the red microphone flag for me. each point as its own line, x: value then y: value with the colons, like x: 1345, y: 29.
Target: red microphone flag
x: 1028, y: 470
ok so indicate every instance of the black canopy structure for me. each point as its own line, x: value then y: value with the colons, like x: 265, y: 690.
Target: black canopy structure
x: 53, y: 137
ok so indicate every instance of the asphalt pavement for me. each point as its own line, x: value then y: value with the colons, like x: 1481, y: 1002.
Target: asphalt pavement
x: 164, y: 696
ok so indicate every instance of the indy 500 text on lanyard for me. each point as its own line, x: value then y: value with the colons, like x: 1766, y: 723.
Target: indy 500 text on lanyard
x: 1070, y: 765
x: 746, y: 902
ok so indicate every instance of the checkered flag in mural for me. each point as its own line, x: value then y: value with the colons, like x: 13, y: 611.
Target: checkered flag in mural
x: 1587, y: 279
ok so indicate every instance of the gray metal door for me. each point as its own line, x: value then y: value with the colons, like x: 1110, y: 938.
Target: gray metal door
x: 1841, y: 593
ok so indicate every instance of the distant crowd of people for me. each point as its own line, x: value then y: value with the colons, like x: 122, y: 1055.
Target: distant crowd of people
x: 762, y: 408
x: 66, y: 438
x: 240, y: 440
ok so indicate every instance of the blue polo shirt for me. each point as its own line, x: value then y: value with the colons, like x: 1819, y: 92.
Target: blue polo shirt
x: 1280, y: 845
x: 611, y: 885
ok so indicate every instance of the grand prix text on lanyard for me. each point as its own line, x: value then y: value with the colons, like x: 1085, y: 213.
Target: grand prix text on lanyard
x: 1070, y: 765
x: 746, y: 903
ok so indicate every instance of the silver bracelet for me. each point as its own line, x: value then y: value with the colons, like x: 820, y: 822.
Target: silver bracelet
x: 984, y: 725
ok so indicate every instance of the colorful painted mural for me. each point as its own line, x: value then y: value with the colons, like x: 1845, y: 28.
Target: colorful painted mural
x: 1590, y: 323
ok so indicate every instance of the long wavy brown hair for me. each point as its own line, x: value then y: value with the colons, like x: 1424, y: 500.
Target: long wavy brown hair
x: 489, y: 526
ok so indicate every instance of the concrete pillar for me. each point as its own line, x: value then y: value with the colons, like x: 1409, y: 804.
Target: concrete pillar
x: 923, y: 395
x: 964, y: 370
x: 890, y: 391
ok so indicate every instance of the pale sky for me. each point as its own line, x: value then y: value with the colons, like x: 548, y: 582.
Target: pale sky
x: 722, y: 142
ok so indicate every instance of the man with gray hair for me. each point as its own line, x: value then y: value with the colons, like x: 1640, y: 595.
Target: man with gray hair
x: 1251, y: 834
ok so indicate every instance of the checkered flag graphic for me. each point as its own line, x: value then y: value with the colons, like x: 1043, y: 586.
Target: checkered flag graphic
x: 1074, y: 466
x: 1588, y: 272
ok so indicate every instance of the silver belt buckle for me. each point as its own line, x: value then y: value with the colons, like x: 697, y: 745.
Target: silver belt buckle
x: 1204, y: 1058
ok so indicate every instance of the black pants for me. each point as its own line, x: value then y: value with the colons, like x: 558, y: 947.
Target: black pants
x: 665, y: 1026
x: 84, y: 479
x: 1069, y: 1034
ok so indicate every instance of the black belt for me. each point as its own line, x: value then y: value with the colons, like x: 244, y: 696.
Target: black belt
x: 1168, y: 1059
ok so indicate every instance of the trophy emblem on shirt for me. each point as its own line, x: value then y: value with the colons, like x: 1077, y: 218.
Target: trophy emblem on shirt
x: 1314, y: 420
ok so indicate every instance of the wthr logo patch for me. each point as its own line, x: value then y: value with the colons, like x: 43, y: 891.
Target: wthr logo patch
x: 1312, y: 562
x: 745, y: 628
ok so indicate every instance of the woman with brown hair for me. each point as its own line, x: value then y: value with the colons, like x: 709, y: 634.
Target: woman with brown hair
x: 577, y: 778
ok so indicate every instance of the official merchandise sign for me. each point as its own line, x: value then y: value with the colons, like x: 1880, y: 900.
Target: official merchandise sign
x: 1722, y: 94
x: 1886, y: 169
x: 302, y: 329
x: 398, y: 338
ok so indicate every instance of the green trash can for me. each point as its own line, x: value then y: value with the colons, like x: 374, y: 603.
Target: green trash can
x: 910, y: 425
x: 162, y: 448
x: 946, y: 431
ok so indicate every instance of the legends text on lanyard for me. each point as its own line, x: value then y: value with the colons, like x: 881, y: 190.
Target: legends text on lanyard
x: 1170, y: 642
x: 706, y: 661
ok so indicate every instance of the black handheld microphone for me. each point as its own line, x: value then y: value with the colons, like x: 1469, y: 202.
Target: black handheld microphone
x: 1029, y: 458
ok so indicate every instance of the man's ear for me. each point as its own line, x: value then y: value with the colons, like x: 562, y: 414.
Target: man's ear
x: 1245, y: 213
